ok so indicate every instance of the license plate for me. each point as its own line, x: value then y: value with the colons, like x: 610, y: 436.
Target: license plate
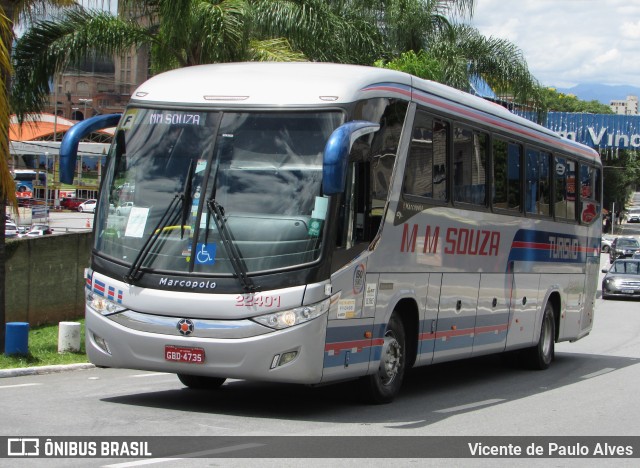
x: 184, y: 354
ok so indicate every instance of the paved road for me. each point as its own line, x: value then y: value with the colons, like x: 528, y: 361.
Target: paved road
x: 61, y: 221
x: 590, y: 390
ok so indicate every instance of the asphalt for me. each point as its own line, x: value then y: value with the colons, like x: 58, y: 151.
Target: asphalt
x: 36, y: 370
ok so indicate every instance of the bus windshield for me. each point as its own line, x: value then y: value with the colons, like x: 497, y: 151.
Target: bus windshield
x: 213, y: 192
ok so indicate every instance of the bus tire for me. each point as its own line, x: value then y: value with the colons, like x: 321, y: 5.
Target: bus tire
x: 384, y: 385
x: 539, y: 357
x: 199, y: 382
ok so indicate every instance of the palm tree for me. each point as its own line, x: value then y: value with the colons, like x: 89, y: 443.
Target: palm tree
x: 453, y: 53
x: 190, y: 32
x: 10, y: 12
x: 465, y: 54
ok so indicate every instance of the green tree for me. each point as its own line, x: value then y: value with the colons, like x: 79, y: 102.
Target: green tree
x: 459, y: 54
x: 552, y: 100
x: 11, y: 11
x: 420, y: 64
x: 189, y: 32
x: 621, y: 176
x: 410, y: 25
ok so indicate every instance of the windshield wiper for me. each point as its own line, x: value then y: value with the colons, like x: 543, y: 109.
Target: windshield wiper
x: 237, y: 263
x: 169, y: 218
x: 187, y: 198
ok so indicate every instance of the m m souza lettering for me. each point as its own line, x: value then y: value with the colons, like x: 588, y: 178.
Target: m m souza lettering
x: 457, y: 241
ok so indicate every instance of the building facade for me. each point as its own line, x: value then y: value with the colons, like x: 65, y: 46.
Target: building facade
x: 627, y: 106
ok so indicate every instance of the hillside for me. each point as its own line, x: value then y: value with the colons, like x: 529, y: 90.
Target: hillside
x: 601, y: 93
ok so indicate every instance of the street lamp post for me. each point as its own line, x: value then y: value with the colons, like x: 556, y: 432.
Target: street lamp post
x: 46, y: 184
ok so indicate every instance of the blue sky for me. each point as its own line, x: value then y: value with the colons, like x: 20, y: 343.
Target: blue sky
x: 568, y: 42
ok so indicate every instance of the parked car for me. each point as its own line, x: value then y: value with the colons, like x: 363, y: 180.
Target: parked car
x: 37, y: 230
x: 633, y: 217
x: 605, y: 245
x: 124, y: 209
x: 88, y: 206
x: 10, y: 229
x: 622, y: 279
x: 623, y: 247
x: 71, y: 203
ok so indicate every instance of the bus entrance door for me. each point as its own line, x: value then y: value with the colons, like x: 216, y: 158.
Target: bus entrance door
x: 456, y: 316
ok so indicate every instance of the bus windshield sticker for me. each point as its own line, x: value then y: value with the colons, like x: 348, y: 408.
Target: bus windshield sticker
x: 346, y: 308
x: 358, y: 279
x: 129, y: 119
x: 137, y: 221
x: 370, y: 295
x: 201, y: 166
x: 206, y: 253
x: 315, y: 226
x: 320, y: 208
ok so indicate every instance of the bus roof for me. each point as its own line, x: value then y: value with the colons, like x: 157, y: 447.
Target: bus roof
x: 307, y: 84
x: 265, y: 83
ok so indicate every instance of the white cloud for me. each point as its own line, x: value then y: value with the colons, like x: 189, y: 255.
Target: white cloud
x: 566, y: 42
x: 630, y: 30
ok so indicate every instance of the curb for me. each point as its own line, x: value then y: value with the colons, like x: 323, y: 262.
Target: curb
x: 20, y: 371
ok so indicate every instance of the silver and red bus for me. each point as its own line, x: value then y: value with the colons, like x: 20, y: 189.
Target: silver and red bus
x: 315, y: 223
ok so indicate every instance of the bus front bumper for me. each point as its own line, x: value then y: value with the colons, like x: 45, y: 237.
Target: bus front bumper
x: 258, y: 357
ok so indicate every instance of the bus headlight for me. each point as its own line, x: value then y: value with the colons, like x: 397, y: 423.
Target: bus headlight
x: 292, y: 317
x: 102, y: 305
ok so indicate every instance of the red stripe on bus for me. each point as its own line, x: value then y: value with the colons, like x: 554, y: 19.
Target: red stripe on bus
x: 353, y: 344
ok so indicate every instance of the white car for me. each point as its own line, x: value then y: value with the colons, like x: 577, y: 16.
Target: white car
x: 633, y: 217
x: 88, y: 206
x: 10, y: 229
x: 607, y: 240
x: 124, y: 209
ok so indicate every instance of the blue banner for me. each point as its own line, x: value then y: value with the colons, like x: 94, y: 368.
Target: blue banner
x: 597, y: 130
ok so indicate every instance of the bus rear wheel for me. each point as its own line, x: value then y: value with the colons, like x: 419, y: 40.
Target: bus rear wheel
x: 539, y: 357
x: 383, y: 386
x: 199, y: 382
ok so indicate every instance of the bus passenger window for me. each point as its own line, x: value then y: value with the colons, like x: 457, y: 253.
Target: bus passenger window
x: 426, y: 171
x: 565, y: 193
x: 537, y: 182
x: 469, y: 166
x: 506, y: 175
x: 589, y: 203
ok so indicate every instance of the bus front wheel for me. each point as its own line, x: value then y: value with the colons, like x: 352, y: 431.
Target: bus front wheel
x: 539, y: 357
x: 200, y: 382
x: 384, y: 385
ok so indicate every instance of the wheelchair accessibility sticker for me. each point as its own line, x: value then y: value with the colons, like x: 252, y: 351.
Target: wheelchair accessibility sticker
x: 206, y: 254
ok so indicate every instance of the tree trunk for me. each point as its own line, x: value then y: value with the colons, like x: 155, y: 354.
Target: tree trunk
x: 8, y: 8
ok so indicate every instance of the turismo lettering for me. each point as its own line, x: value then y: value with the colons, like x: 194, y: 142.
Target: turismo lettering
x: 457, y: 241
x: 563, y: 247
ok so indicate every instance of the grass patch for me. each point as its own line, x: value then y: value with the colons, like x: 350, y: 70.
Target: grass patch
x: 43, y: 350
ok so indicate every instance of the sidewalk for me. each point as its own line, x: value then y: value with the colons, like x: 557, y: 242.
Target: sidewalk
x: 37, y: 370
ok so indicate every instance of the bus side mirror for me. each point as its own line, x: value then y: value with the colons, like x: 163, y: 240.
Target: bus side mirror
x: 71, y: 140
x: 336, y: 154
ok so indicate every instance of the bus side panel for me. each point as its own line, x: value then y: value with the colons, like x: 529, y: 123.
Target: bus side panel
x: 525, y: 311
x: 347, y: 349
x: 571, y: 290
x: 456, y: 316
x: 572, y: 295
x: 492, y: 321
x: 347, y: 352
x: 429, y: 320
x: 393, y: 288
x: 590, y: 287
